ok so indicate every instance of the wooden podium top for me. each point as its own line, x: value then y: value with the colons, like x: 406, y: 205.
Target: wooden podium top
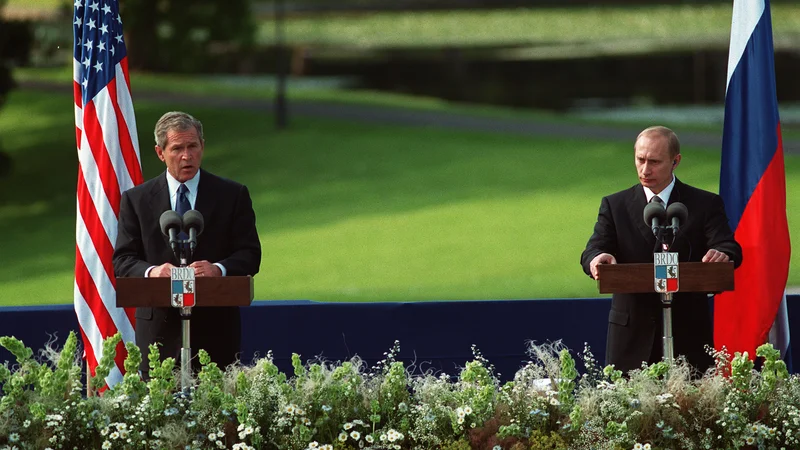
x: 211, y: 291
x: 639, y: 278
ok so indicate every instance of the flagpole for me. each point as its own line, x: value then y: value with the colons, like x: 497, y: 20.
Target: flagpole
x: 281, y: 113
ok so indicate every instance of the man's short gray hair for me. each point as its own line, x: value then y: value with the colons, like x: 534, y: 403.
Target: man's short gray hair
x: 176, y: 121
x: 672, y: 139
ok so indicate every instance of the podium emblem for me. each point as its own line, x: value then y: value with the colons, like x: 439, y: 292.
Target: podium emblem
x: 182, y: 279
x: 666, y: 272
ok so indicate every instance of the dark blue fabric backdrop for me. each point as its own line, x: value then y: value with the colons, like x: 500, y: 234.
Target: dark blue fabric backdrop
x: 432, y: 335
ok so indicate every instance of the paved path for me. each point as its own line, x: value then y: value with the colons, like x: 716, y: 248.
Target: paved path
x: 418, y: 117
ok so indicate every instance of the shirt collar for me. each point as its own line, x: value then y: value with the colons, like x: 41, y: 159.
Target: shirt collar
x: 663, y: 195
x: 191, y: 184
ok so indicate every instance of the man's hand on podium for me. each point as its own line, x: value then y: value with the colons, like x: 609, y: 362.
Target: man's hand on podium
x: 164, y: 270
x: 205, y: 269
x: 602, y: 258
x: 715, y: 256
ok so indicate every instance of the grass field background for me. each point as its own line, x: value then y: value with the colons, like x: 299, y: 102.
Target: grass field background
x: 348, y: 211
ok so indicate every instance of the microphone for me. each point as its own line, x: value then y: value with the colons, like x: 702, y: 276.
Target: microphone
x: 171, y: 224
x: 677, y: 213
x: 654, y: 214
x: 193, y: 226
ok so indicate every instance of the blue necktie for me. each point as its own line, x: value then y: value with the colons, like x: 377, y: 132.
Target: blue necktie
x: 182, y: 205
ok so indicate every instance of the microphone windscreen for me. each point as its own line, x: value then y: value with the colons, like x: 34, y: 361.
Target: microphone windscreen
x: 679, y: 211
x: 193, y: 219
x: 169, y: 219
x: 654, y: 210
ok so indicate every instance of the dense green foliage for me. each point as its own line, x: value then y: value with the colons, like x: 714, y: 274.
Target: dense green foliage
x: 181, y: 36
x: 346, y: 405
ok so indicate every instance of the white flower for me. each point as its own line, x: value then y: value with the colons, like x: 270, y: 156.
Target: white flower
x: 121, y: 426
x: 314, y: 444
x: 467, y: 410
x: 114, y: 435
x: 370, y: 439
x: 240, y: 427
x: 355, y: 435
x: 123, y: 434
x: 460, y: 421
x: 348, y: 426
x: 497, y: 447
x: 663, y: 398
x: 106, y: 445
x: 326, y: 408
x: 220, y: 444
x: 212, y: 437
x: 646, y: 446
x: 26, y: 424
x: 637, y: 446
x: 289, y: 409
x: 383, y: 438
x: 342, y: 436
x: 156, y: 433
x: 554, y: 401
x: 13, y: 437
x: 326, y: 447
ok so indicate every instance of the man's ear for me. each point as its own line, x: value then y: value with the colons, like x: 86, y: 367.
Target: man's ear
x: 160, y: 153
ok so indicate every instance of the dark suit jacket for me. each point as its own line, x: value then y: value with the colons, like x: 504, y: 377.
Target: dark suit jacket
x: 635, y: 320
x: 229, y: 237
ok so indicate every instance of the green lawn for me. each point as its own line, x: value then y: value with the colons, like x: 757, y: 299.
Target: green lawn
x: 659, y: 25
x: 346, y: 211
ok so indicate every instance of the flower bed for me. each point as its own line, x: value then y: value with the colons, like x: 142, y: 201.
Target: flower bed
x: 347, y: 405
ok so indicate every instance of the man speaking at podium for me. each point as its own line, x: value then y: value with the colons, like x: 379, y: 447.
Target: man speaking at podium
x: 228, y: 245
x: 622, y: 236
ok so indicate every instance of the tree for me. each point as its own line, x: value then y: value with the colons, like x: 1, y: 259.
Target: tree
x: 187, y: 35
x: 15, y: 45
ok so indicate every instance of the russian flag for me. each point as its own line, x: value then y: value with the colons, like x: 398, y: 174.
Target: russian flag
x: 753, y: 185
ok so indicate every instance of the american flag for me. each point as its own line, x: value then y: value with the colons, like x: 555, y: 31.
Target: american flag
x: 109, y: 163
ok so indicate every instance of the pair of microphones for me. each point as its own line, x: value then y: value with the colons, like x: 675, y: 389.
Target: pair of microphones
x: 658, y: 218
x: 172, y: 223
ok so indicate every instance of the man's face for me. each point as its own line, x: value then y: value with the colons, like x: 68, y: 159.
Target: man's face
x: 653, y: 162
x: 182, y: 154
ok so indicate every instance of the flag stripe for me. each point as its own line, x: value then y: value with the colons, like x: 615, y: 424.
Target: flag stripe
x: 123, y: 108
x: 746, y: 16
x: 94, y: 138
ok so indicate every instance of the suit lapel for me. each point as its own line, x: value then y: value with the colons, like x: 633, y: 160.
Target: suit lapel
x: 636, y: 211
x: 159, y: 200
x: 204, y: 202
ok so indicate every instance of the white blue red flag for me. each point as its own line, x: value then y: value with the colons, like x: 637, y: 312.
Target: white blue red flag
x: 109, y: 163
x: 753, y: 184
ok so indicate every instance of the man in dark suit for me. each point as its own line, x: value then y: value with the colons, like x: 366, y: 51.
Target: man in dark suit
x: 621, y: 236
x: 228, y: 246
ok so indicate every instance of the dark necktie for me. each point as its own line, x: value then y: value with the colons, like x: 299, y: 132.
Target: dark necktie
x: 655, y: 199
x: 182, y: 205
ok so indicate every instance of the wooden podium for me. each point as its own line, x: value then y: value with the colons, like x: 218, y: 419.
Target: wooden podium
x: 639, y: 279
x: 209, y: 292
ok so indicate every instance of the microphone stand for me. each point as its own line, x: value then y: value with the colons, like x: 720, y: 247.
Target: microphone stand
x: 668, y: 346
x: 186, y: 315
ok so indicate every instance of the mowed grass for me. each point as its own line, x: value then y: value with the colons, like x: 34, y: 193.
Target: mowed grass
x: 689, y: 25
x: 348, y: 211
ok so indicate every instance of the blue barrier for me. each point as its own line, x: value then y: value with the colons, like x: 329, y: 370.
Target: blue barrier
x: 433, y: 335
